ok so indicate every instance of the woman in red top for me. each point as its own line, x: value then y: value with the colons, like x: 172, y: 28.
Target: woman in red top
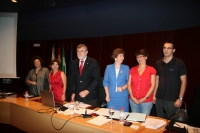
x: 141, y: 84
x: 57, y: 81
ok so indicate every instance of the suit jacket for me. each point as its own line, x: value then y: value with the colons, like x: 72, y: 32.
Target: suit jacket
x: 111, y: 81
x: 89, y: 80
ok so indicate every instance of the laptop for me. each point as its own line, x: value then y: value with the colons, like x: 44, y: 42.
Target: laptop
x: 47, y: 98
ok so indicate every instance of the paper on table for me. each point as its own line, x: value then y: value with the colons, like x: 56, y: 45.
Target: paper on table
x: 191, y: 129
x: 81, y: 105
x: 103, y: 111
x: 100, y: 120
x: 153, y: 123
x: 82, y: 111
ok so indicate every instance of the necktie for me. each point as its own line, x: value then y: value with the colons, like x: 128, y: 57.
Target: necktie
x: 81, y: 67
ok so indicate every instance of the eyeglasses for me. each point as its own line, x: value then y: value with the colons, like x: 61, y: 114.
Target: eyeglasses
x: 140, y: 56
x: 80, y: 51
x: 167, y: 48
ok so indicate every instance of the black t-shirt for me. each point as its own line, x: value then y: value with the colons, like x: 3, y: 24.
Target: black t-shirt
x: 169, y: 78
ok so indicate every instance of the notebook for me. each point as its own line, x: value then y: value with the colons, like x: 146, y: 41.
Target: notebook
x: 136, y: 117
x: 47, y: 98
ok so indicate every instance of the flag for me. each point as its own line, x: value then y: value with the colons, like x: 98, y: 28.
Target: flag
x: 70, y: 62
x: 59, y: 54
x: 63, y: 66
x: 53, y: 53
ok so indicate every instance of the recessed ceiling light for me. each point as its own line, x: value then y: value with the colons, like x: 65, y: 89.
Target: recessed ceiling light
x: 14, y: 1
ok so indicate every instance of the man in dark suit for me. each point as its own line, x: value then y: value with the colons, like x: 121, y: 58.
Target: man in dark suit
x: 85, y: 77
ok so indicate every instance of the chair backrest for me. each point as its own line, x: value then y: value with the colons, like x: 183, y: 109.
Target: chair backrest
x: 195, y: 109
x: 101, y: 92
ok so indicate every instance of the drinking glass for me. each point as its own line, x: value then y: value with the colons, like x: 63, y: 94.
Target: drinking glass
x: 77, y: 106
x: 71, y: 108
x: 77, y: 103
x: 111, y: 112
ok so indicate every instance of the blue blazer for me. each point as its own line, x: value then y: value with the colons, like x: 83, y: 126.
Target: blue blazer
x: 111, y: 81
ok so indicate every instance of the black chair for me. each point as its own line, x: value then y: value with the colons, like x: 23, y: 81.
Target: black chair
x: 101, y: 94
x: 195, y: 109
x: 68, y: 92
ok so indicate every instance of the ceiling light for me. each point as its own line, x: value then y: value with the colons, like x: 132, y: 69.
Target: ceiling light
x: 15, y: 1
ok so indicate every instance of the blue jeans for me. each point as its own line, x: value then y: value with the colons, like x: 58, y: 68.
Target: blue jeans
x: 141, y: 108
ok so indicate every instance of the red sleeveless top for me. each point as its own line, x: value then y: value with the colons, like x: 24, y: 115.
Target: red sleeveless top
x: 56, y: 85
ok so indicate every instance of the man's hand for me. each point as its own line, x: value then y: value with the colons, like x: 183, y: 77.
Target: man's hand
x: 83, y: 93
x: 72, y: 97
x: 154, y: 100
x: 178, y: 103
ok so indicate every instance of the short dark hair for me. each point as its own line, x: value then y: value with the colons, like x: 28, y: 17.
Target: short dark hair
x: 141, y: 52
x: 55, y: 60
x: 39, y: 58
x: 171, y: 43
x: 116, y: 52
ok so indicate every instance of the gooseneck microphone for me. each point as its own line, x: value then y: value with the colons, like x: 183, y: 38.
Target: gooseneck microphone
x: 86, y: 115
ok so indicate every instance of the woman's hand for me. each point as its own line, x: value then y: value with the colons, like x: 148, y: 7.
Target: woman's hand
x: 141, y: 100
x: 107, y: 98
x: 63, y: 97
x: 119, y: 89
x: 33, y: 83
x: 134, y: 100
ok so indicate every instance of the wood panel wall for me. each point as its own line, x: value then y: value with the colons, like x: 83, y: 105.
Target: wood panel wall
x: 187, y: 48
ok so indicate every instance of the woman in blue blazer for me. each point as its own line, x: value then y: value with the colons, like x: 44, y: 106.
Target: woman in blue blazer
x: 115, y: 82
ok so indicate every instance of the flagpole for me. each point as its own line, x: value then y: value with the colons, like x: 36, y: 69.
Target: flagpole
x: 70, y: 60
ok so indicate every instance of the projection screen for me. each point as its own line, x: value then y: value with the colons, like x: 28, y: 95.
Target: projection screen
x: 8, y: 34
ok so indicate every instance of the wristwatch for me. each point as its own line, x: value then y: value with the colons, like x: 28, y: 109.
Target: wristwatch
x: 180, y: 98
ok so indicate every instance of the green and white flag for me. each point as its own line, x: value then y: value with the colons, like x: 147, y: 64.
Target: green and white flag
x: 63, y: 66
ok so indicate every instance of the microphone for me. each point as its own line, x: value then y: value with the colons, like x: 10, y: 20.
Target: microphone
x: 86, y: 115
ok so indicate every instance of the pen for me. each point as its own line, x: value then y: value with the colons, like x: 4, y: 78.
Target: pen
x: 126, y: 116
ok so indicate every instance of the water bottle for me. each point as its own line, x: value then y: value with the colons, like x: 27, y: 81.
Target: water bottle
x: 121, y: 115
x: 26, y: 95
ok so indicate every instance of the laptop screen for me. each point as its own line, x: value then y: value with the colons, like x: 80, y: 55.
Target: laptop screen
x: 47, y: 98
